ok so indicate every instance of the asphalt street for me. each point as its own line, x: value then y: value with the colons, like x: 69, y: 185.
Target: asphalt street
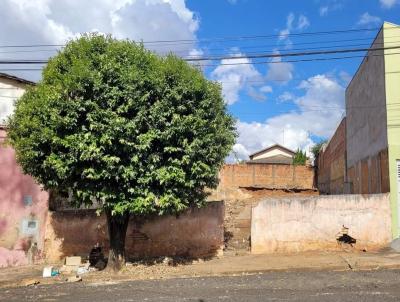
x: 381, y: 285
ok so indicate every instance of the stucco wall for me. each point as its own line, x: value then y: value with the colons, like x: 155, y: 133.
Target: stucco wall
x: 195, y: 233
x: 392, y: 80
x: 303, y: 224
x: 23, y: 210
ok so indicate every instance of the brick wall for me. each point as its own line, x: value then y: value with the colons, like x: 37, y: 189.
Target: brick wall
x: 268, y: 176
x: 370, y: 175
x: 194, y: 233
x: 243, y: 185
x: 331, y: 163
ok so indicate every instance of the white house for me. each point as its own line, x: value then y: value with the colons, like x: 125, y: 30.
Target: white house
x: 275, y: 154
x: 11, y: 88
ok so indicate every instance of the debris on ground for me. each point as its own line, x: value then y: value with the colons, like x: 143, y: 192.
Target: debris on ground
x: 344, y: 237
x: 74, y: 279
x: 50, y: 271
x: 73, y: 261
x: 168, y: 261
x: 30, y: 282
x: 96, y: 258
x: 83, y: 269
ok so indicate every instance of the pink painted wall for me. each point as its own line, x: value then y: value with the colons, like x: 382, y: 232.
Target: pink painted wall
x: 21, y: 222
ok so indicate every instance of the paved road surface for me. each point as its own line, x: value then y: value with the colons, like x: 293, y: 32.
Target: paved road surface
x: 274, y: 286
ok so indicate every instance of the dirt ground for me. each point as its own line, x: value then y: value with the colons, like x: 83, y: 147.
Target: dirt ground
x: 226, y: 265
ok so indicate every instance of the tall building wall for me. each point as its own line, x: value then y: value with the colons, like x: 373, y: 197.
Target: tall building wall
x: 392, y: 85
x: 366, y: 131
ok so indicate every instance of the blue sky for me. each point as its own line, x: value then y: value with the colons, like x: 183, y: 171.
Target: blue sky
x: 295, y: 103
x: 274, y: 111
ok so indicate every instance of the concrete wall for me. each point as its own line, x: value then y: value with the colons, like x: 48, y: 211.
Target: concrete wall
x: 195, y: 233
x: 366, y: 108
x: 366, y: 131
x: 303, y: 224
x: 392, y: 80
x: 272, y: 176
x: 331, y: 166
x: 23, y: 210
x: 242, y: 186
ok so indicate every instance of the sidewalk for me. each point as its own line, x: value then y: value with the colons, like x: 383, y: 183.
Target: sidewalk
x: 227, y: 265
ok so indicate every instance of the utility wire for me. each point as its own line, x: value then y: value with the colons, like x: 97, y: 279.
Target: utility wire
x: 280, y: 50
x: 222, y: 39
x: 242, y: 63
x: 258, y: 56
x: 225, y: 48
x: 295, y: 61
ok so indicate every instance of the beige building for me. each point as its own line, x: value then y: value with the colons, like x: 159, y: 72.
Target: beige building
x: 275, y: 154
x: 11, y: 88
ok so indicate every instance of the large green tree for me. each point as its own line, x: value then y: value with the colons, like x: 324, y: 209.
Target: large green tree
x: 113, y: 123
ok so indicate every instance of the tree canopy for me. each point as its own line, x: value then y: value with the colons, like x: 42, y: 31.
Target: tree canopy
x: 113, y: 123
x: 316, y: 149
x: 299, y: 158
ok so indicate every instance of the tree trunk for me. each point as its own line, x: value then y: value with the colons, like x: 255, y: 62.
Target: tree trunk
x: 117, y: 226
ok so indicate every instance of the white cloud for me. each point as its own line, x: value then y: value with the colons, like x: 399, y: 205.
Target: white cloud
x: 388, y: 3
x: 318, y: 113
x: 367, y: 19
x: 56, y: 21
x: 330, y: 6
x: 291, y: 24
x: 279, y: 71
x: 286, y: 96
x: 256, y: 94
x: 303, y: 22
x: 323, y: 10
x: 234, y: 78
x: 196, y: 53
x: 345, y: 77
x: 266, y: 89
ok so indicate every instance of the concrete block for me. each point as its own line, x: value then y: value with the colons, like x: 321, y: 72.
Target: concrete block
x: 73, y: 261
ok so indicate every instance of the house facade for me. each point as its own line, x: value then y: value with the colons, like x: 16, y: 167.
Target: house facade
x: 11, y: 88
x: 363, y: 156
x: 23, y: 204
x: 275, y: 154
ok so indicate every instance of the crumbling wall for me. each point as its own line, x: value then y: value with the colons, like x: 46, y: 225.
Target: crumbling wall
x: 313, y: 223
x: 23, y: 210
x: 242, y: 186
x: 198, y: 232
